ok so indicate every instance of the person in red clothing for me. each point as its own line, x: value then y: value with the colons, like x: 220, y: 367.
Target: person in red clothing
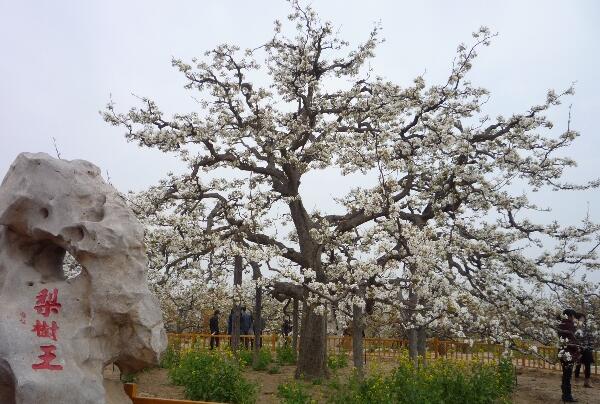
x: 569, y: 352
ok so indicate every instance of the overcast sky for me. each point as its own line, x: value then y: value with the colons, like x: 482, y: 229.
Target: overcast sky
x: 61, y: 60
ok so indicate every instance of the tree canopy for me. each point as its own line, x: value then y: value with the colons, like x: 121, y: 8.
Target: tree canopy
x: 439, y: 236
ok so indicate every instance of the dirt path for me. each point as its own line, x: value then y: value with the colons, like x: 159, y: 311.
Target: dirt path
x: 534, y: 386
x: 538, y: 386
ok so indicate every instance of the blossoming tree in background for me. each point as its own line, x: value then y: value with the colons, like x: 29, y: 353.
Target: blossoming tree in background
x: 437, y: 233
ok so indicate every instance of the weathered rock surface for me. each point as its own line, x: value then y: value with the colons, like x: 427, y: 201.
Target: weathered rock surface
x: 55, y: 354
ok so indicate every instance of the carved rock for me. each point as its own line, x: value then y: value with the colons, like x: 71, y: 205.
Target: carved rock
x: 56, y: 354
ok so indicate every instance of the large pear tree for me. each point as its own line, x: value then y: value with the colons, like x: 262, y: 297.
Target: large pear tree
x: 438, y: 169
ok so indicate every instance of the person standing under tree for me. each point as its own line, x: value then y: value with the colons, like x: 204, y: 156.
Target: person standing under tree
x: 245, y: 325
x: 587, y: 354
x: 214, y: 329
x: 569, y: 352
x: 286, y: 328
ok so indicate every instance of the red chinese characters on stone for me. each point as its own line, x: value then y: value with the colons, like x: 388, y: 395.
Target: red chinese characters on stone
x: 43, y: 330
x: 47, y: 357
x: 47, y: 302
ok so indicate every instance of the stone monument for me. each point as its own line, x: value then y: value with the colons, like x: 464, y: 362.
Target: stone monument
x: 58, y: 334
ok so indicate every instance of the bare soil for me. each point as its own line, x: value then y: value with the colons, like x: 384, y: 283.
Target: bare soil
x: 543, y: 386
x: 534, y: 386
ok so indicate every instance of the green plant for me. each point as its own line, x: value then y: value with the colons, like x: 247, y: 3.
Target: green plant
x: 264, y: 359
x: 213, y: 376
x: 286, y: 355
x: 274, y: 369
x: 506, y: 375
x: 245, y: 356
x: 438, y: 382
x: 170, y: 357
x: 128, y: 377
x: 293, y: 393
x: 337, y: 361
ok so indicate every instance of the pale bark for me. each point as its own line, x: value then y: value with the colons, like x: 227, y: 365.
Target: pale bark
x: 358, y: 340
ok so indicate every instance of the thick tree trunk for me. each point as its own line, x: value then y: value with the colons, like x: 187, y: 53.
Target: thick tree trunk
x: 312, y: 357
x: 295, y: 325
x: 238, y: 268
x: 413, y: 351
x: 413, y: 337
x: 357, y: 340
x: 422, y: 344
x: 258, y: 323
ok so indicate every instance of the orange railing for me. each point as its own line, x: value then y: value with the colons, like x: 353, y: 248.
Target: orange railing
x: 203, y: 341
x: 391, y: 348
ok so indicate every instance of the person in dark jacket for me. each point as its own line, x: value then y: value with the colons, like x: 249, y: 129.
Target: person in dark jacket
x: 587, y: 354
x: 245, y: 325
x: 214, y: 329
x: 569, y: 352
x: 286, y: 329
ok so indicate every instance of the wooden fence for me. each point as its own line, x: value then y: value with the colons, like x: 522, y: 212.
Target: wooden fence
x: 131, y: 390
x: 390, y: 348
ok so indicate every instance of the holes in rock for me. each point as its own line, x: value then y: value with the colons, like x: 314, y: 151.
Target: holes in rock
x: 71, y: 268
x: 94, y: 215
x: 45, y: 213
x: 93, y: 207
x: 112, y: 372
x: 47, y: 258
x: 7, y: 383
x: 73, y: 234
x: 52, y: 262
x: 29, y: 283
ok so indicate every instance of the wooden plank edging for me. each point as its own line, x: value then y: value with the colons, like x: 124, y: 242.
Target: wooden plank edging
x: 131, y: 391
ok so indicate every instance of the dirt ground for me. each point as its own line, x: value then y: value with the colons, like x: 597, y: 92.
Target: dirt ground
x: 534, y: 386
x: 538, y: 386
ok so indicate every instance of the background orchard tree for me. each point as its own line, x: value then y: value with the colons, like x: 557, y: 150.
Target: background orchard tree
x: 586, y: 300
x: 440, y: 172
x: 195, y: 248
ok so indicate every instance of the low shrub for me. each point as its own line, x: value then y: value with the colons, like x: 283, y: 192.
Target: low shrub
x: 213, y: 376
x: 507, y: 376
x: 264, y: 360
x: 286, y: 355
x: 245, y: 356
x: 128, y: 377
x: 293, y: 393
x: 439, y: 382
x: 274, y: 370
x: 337, y: 361
x: 170, y: 357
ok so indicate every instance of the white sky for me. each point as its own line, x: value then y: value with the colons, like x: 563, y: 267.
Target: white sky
x: 61, y: 60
